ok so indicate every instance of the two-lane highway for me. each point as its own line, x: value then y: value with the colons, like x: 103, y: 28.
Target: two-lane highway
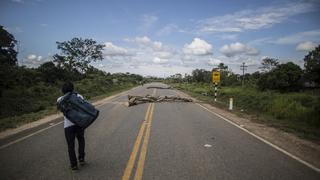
x: 152, y: 141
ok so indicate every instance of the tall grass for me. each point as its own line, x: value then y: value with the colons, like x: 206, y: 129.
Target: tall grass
x: 290, y: 111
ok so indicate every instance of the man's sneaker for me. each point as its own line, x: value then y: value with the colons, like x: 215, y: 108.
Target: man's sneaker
x: 82, y: 162
x: 74, y: 168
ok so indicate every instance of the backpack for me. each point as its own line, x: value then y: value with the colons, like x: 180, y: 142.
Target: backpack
x: 77, y: 110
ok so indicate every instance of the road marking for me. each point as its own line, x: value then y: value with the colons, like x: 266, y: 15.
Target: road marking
x: 144, y: 148
x: 263, y: 140
x: 133, y: 155
x: 130, y: 164
x: 25, y: 137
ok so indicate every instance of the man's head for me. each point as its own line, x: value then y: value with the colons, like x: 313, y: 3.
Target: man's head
x: 67, y: 87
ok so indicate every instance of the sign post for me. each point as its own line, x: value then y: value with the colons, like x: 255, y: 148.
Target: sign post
x: 215, y: 81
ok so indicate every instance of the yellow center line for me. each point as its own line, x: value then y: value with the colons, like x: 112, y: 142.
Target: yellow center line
x: 143, y: 152
x: 130, y: 164
x: 145, y: 125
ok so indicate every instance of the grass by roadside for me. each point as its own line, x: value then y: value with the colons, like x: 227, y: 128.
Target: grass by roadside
x: 15, y: 121
x: 297, y: 113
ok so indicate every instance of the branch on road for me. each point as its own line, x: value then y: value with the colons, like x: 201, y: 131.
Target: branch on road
x: 157, y: 87
x: 134, y: 100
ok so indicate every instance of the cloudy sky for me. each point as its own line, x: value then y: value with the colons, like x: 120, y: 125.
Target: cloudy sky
x: 164, y: 37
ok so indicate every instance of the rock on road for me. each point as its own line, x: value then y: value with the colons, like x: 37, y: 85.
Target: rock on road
x: 150, y: 141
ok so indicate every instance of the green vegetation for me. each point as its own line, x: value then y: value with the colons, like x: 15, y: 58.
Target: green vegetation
x: 27, y: 94
x: 294, y: 112
x: 281, y: 95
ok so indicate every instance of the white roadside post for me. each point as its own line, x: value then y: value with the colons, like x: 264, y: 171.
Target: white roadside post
x: 231, y: 104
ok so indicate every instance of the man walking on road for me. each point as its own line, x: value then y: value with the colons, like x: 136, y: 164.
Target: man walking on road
x: 72, y: 131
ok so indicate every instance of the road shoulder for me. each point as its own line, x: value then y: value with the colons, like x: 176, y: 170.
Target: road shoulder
x: 301, y: 148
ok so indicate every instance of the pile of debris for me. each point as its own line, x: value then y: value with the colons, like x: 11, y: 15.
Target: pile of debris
x: 134, y: 100
x: 157, y: 87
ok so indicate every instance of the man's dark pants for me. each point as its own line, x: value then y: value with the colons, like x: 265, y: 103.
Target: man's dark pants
x: 71, y: 133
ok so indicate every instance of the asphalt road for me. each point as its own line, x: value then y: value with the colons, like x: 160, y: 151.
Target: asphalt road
x: 164, y: 141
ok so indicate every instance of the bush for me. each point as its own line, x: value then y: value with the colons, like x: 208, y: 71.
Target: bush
x: 285, y: 78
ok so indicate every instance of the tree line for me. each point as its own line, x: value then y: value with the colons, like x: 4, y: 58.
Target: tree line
x: 25, y: 90
x: 283, y: 77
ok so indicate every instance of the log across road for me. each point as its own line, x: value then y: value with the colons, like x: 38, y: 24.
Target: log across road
x: 166, y: 141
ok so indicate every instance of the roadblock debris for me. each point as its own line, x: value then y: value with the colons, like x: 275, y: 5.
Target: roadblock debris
x: 157, y: 87
x: 134, y: 100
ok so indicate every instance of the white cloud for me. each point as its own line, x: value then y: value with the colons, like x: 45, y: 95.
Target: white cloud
x: 33, y: 60
x: 306, y: 46
x: 147, y: 42
x: 214, y: 61
x: 187, y: 58
x: 155, y: 58
x: 113, y: 50
x: 313, y: 35
x: 141, y: 40
x: 32, y: 57
x: 163, y: 54
x: 237, y: 49
x: 254, y: 19
x: 197, y: 47
x: 18, y: 1
x: 158, y: 70
x: 292, y: 39
x: 147, y: 22
x: 167, y: 29
x: 39, y: 58
x: 146, y: 53
x: 101, y: 65
x: 158, y: 60
x: 157, y: 46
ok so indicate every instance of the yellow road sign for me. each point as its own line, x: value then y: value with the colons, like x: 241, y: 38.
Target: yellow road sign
x: 215, y: 76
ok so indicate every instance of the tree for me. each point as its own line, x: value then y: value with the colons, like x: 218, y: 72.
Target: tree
x: 312, y: 65
x: 227, y: 78
x: 50, y: 73
x: 187, y: 78
x: 201, y: 75
x: 269, y: 64
x: 285, y: 77
x: 77, y: 54
x: 8, y: 60
x: 222, y: 67
x: 8, y: 55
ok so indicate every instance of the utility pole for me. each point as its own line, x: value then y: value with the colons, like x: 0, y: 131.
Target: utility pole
x: 243, y: 67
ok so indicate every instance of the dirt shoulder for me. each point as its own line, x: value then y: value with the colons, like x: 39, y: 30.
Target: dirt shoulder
x: 301, y: 148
